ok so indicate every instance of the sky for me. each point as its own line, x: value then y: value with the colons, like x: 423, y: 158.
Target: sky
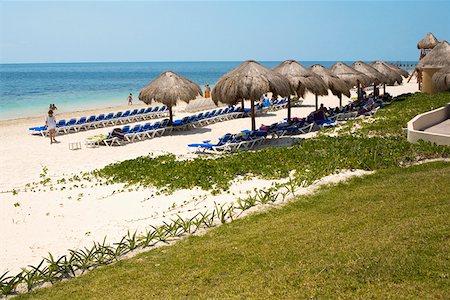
x: 123, y: 31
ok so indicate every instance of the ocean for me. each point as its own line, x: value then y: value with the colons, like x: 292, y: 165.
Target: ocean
x: 28, y: 89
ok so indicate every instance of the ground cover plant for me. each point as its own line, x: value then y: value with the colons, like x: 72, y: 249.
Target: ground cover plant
x: 376, y: 145
x: 380, y: 237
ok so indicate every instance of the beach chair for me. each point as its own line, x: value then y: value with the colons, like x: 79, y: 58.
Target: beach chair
x: 115, y: 137
x: 59, y: 126
x: 124, y: 118
x: 140, y: 114
x: 133, y: 114
x: 98, y: 121
x: 181, y: 124
x: 71, y: 125
x: 141, y: 134
x: 91, y: 119
x: 130, y: 135
x: 108, y: 119
x: 41, y: 130
x: 81, y: 124
x: 206, y: 145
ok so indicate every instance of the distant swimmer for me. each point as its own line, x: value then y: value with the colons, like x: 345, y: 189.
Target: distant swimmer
x: 130, y: 99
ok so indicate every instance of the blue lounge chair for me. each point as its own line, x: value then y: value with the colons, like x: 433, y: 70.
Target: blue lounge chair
x: 220, y: 145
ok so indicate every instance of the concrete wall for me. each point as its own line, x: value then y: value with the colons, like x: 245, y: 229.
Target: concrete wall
x: 426, y: 120
x: 427, y: 84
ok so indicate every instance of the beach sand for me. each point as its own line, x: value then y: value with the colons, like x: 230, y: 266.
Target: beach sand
x: 35, y: 223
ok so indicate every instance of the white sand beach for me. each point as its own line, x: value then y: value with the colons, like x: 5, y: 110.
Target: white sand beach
x: 35, y: 223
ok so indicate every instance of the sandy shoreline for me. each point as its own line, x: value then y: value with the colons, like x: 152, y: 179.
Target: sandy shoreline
x: 57, y: 220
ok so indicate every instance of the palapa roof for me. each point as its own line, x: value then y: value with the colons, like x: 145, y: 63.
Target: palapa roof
x: 250, y: 80
x: 301, y: 79
x: 428, y: 42
x: 336, y: 85
x: 348, y: 74
x: 402, y: 72
x: 168, y: 88
x: 375, y: 76
x: 391, y: 75
x: 439, y: 57
x: 441, y: 80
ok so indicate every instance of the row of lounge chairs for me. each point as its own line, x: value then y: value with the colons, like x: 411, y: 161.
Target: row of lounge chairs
x: 207, y: 118
x: 246, y: 140
x: 276, y: 105
x: 127, y: 134
x: 102, y: 120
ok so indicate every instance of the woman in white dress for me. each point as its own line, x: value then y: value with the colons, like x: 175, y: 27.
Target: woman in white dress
x: 50, y: 123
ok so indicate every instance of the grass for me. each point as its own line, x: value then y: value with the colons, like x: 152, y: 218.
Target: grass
x: 391, y: 120
x: 381, y: 236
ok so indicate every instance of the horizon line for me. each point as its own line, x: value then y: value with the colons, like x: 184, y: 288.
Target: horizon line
x: 199, y: 61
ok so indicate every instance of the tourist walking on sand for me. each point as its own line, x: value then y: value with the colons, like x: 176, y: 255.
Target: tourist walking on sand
x: 207, y: 91
x: 50, y: 123
x: 130, y: 99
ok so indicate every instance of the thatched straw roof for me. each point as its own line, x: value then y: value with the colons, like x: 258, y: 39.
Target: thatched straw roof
x: 439, y: 57
x: 336, y: 85
x: 391, y: 75
x: 375, y: 76
x: 168, y: 88
x: 428, y: 42
x: 301, y: 79
x: 441, y: 80
x: 250, y: 80
x: 402, y: 72
x: 348, y: 74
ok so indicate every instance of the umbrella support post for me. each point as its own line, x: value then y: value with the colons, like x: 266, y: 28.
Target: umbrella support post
x: 253, y: 114
x: 242, y: 104
x: 289, y: 110
x: 384, y: 89
x: 317, y: 102
x: 358, y: 89
x: 170, y: 116
x: 340, y: 100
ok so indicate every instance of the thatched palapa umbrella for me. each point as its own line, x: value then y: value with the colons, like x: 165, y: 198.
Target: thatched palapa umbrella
x: 302, y: 80
x: 250, y: 80
x: 391, y: 75
x: 336, y: 85
x: 350, y: 75
x: 168, y: 88
x: 439, y: 57
x: 402, y: 72
x: 428, y: 42
x: 441, y: 80
x: 375, y: 77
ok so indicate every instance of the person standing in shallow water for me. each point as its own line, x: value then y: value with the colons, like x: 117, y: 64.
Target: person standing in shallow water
x: 130, y: 99
x: 50, y: 123
x: 207, y: 91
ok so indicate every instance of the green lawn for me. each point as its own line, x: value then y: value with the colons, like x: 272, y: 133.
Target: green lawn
x: 384, y: 236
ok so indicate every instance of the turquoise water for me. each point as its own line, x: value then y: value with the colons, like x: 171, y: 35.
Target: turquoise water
x: 28, y: 89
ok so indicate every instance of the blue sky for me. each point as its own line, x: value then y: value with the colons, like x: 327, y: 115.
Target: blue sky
x: 86, y: 31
